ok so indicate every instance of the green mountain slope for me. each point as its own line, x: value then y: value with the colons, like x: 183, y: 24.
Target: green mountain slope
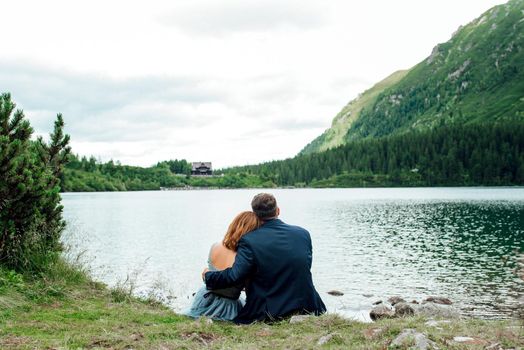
x: 475, y: 77
x: 336, y: 135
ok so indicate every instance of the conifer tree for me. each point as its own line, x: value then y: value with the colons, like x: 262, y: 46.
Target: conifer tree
x: 30, y: 211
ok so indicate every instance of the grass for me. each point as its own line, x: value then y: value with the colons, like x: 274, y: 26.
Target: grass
x: 66, y: 310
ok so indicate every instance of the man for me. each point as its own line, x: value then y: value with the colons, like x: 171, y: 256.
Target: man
x: 274, y: 261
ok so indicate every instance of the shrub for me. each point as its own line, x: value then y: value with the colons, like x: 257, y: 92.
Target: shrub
x: 30, y: 211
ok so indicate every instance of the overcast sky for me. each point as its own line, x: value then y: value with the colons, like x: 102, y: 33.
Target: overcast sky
x: 232, y: 82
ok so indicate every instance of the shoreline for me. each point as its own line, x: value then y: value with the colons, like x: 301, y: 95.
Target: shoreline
x: 73, y: 312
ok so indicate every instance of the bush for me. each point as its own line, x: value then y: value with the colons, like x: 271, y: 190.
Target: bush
x: 30, y: 171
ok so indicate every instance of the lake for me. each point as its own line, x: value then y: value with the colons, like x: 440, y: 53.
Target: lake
x: 462, y: 243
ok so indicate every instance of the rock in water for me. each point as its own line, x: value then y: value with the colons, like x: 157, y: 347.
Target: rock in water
x: 438, y: 300
x: 395, y: 300
x: 403, y: 309
x: 381, y: 311
x: 336, y: 293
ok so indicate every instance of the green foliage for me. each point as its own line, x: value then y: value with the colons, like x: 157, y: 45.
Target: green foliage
x: 121, y: 294
x: 30, y: 211
x: 479, y: 154
x: 475, y: 77
x: 177, y: 166
x: 86, y: 175
x: 11, y: 279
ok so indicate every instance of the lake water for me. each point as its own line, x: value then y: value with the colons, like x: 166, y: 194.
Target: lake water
x: 462, y: 243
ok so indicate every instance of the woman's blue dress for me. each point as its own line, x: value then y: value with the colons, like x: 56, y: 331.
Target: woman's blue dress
x: 214, y: 306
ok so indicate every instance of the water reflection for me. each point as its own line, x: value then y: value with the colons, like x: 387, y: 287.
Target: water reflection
x: 464, y: 250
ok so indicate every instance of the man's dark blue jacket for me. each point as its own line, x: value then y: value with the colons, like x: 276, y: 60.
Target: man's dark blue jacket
x: 275, y: 263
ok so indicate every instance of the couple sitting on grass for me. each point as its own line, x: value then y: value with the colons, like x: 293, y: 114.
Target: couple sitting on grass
x: 269, y: 259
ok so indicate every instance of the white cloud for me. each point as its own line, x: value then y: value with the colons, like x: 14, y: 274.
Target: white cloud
x: 233, y: 81
x: 209, y: 17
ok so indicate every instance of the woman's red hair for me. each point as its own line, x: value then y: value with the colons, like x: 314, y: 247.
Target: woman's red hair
x: 243, y: 223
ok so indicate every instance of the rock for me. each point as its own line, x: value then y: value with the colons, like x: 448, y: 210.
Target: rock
x: 410, y: 336
x: 377, y: 302
x: 494, y: 346
x: 438, y: 300
x: 336, y: 293
x: 432, y: 310
x: 395, y: 300
x: 520, y: 307
x: 298, y: 318
x: 462, y: 339
x: 403, y: 309
x: 435, y: 53
x: 381, y: 311
x: 469, y: 340
x: 325, y: 339
x: 433, y: 323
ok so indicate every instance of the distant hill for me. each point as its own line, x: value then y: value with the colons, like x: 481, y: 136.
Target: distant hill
x: 336, y: 135
x: 475, y: 77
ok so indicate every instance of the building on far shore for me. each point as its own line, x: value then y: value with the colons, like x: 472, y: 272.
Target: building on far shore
x: 201, y: 168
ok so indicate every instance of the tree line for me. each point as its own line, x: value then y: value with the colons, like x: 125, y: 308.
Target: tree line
x: 474, y: 154
x: 84, y: 174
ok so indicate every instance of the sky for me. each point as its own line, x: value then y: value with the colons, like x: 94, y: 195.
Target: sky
x: 233, y: 82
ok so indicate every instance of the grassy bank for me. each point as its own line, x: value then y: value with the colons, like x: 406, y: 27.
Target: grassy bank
x: 63, y: 309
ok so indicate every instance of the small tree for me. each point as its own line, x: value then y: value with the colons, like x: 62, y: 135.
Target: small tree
x: 30, y: 211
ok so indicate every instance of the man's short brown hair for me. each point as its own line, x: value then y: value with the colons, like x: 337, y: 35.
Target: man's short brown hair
x: 264, y: 205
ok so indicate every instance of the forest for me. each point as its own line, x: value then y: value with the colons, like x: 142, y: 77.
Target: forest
x: 487, y: 154
x: 450, y: 155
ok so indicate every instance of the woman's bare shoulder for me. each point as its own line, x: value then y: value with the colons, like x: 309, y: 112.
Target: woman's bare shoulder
x: 219, y: 252
x: 215, y: 247
x: 219, y: 249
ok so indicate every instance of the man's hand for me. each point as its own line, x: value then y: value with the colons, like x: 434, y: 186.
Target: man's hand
x: 204, y: 274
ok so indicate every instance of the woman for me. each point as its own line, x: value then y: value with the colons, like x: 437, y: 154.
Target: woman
x: 224, y: 304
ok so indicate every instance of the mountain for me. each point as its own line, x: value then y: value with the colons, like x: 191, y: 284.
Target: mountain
x: 475, y: 77
x: 336, y: 135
